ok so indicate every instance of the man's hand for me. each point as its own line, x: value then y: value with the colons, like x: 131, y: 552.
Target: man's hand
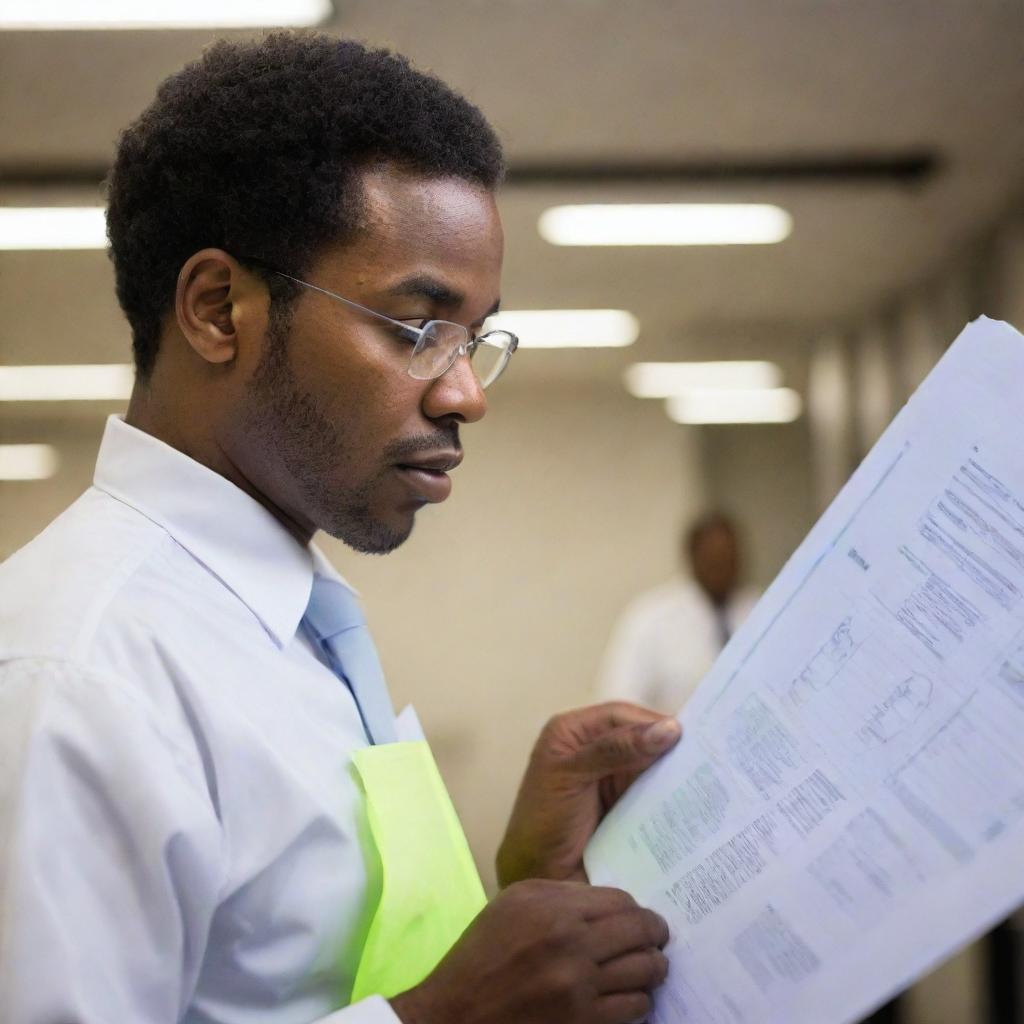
x: 543, y: 952
x: 582, y: 763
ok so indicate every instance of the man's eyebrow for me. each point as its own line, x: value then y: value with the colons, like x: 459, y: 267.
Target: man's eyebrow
x: 423, y: 285
x: 428, y: 287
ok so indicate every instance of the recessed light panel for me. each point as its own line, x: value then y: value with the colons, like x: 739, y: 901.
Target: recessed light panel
x: 569, y: 328
x: 139, y: 14
x: 27, y: 461
x: 52, y: 227
x: 76, y: 383
x: 666, y: 224
x: 770, y: 405
x: 661, y: 380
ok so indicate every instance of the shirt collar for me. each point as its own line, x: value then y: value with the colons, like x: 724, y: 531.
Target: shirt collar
x: 221, y: 526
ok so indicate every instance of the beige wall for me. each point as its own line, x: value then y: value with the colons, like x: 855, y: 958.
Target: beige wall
x: 761, y: 476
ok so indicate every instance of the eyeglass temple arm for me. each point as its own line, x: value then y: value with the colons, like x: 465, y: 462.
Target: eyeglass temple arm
x: 416, y: 332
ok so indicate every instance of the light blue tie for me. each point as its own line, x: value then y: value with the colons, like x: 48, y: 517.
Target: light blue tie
x: 336, y: 621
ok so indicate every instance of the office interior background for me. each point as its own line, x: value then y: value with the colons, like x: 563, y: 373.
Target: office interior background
x: 889, y: 131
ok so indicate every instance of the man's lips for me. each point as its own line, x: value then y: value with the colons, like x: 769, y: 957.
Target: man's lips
x: 427, y: 475
x: 439, y: 462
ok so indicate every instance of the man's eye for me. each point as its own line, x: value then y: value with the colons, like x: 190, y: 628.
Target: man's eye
x: 407, y: 331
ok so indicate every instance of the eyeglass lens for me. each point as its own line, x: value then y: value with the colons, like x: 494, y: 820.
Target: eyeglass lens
x: 435, y: 352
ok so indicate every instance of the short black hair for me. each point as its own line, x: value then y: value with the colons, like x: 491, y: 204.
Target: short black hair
x: 256, y: 148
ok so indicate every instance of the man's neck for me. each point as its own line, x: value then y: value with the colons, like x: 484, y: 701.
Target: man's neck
x: 145, y: 414
x: 718, y: 601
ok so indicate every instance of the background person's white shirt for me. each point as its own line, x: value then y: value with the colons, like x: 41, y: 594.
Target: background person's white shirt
x: 664, y: 643
x: 181, y: 838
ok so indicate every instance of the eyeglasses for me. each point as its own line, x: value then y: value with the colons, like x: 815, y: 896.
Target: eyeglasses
x: 438, y: 343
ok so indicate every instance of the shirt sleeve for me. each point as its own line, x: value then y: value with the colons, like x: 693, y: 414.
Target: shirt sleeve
x: 111, y: 859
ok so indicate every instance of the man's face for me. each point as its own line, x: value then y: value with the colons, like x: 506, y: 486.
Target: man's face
x: 716, y: 561
x: 338, y: 435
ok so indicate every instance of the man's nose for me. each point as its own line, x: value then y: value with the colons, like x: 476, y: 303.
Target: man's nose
x: 456, y: 393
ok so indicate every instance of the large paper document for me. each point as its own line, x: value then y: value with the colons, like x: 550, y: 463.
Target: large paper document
x: 846, y: 807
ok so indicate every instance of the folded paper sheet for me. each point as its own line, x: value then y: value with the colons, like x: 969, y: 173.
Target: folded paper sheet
x: 430, y: 890
x: 847, y: 805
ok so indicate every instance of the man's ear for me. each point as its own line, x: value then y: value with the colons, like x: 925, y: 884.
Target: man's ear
x: 206, y: 304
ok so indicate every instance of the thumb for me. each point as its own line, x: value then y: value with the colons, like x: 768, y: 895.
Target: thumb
x: 629, y: 748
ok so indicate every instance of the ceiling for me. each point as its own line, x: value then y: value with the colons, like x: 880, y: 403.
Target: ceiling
x: 635, y: 85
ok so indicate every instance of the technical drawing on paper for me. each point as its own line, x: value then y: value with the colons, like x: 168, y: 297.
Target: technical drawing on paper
x: 825, y: 665
x: 900, y: 710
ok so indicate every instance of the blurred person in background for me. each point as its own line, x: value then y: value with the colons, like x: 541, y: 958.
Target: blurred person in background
x: 667, y: 639
x: 205, y: 813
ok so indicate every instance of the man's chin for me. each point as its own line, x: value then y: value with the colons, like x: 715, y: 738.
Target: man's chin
x: 371, y: 535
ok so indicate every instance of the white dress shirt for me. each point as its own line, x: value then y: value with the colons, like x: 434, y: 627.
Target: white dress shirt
x: 181, y: 835
x: 665, y: 642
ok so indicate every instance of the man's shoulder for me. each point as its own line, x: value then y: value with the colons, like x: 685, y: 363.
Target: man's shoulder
x: 55, y: 591
x: 666, y: 600
x: 743, y: 601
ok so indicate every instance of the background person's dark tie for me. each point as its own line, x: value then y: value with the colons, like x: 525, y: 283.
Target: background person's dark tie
x: 722, y: 624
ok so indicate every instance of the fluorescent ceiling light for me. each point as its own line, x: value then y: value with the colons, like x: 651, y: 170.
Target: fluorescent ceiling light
x: 27, y: 461
x: 569, y: 328
x: 767, y: 405
x: 122, y: 14
x: 666, y: 224
x: 66, y: 383
x: 661, y: 380
x: 52, y: 227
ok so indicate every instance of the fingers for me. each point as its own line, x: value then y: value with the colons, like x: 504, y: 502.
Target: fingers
x: 640, y: 971
x: 626, y: 932
x: 627, y: 977
x: 613, y: 714
x: 622, y: 1008
x: 603, y: 901
x: 626, y: 748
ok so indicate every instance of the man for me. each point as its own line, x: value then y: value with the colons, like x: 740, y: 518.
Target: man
x: 194, y: 823
x: 668, y: 638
